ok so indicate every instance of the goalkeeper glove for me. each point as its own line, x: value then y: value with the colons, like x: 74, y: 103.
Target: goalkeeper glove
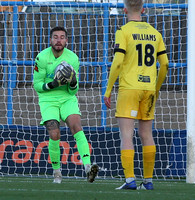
x: 67, y: 72
x: 51, y: 85
x: 73, y: 83
x: 60, y: 77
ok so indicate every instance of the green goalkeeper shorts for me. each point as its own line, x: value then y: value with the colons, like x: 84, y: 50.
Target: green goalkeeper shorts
x: 58, y: 110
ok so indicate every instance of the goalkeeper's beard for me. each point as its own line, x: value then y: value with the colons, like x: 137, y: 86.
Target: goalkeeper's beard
x: 57, y: 49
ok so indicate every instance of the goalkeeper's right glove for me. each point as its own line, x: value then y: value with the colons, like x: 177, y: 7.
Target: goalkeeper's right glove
x: 51, y: 85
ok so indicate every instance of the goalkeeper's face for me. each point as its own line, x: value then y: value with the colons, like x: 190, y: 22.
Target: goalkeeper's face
x: 58, y: 40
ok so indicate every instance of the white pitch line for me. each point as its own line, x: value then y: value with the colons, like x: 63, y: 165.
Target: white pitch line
x: 70, y: 191
x: 50, y: 181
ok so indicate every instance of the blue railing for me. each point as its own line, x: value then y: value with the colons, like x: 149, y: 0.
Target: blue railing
x: 175, y: 63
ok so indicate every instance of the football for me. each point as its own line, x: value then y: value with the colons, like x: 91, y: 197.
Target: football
x: 64, y: 73
x: 59, y: 74
x: 61, y: 66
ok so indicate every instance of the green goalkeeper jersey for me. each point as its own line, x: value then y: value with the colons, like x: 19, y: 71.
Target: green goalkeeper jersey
x: 44, y: 69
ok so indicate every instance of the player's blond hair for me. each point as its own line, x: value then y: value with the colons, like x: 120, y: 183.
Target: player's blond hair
x: 135, y: 5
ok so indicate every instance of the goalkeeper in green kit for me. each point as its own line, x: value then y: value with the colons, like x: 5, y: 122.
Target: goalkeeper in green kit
x: 56, y: 83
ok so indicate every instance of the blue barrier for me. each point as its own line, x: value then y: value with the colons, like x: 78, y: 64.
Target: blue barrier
x: 28, y: 152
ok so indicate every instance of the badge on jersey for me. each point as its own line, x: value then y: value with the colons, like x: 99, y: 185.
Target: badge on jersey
x: 36, y: 67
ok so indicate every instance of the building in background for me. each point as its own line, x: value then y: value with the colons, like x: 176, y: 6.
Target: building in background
x: 111, y: 1
x: 10, y: 8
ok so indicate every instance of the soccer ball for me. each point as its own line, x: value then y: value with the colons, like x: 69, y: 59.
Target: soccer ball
x: 59, y: 75
x: 61, y: 66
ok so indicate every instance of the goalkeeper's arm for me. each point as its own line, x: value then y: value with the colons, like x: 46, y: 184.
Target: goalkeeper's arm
x: 73, y: 86
x: 51, y: 85
x: 39, y: 77
x: 56, y: 83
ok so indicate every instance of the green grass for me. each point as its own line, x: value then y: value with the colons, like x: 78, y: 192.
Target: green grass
x: 14, y: 188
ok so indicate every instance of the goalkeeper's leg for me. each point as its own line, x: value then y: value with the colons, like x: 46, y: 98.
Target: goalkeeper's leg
x: 83, y: 149
x: 74, y: 124
x: 54, y: 148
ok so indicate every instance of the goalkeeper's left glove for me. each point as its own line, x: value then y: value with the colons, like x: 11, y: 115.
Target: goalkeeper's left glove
x: 73, y: 83
x: 60, y: 78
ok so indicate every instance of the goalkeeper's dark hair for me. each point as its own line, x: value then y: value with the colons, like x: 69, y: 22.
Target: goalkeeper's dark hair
x: 58, y: 28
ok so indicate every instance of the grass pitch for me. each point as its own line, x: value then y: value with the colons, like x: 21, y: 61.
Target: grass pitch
x: 14, y: 188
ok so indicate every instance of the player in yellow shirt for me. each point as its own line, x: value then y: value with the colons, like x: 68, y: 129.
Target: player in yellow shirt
x: 138, y: 46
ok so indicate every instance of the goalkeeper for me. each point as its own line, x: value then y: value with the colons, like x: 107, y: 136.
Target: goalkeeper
x: 56, y: 83
x: 137, y: 47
